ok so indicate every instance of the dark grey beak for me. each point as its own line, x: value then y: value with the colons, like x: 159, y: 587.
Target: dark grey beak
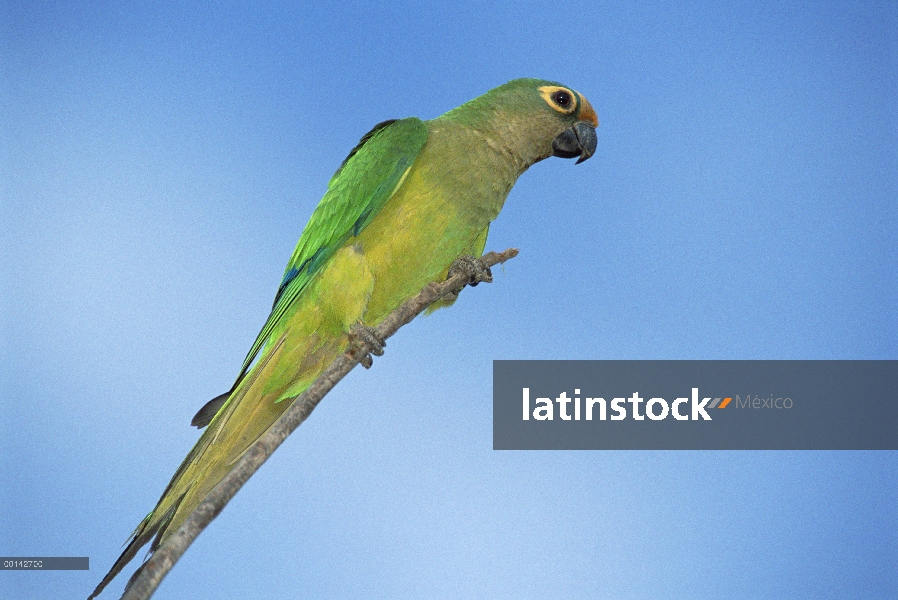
x: 578, y: 140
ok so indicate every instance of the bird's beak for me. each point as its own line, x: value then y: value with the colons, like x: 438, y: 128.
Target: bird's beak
x: 578, y: 140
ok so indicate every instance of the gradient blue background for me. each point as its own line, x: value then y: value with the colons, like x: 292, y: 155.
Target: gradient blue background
x: 159, y: 163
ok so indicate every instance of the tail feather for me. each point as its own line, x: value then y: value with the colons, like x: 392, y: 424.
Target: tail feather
x: 137, y: 542
x: 242, y: 416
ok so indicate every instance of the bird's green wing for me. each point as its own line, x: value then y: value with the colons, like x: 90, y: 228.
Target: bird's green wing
x: 365, y: 181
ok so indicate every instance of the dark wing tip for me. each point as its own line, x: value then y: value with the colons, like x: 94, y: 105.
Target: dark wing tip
x: 205, y: 415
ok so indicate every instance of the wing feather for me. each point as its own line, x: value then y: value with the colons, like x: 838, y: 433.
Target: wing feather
x: 362, y: 185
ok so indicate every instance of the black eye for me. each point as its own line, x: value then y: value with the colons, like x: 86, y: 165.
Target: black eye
x: 562, y: 99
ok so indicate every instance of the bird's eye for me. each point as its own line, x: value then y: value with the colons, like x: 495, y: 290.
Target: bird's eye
x: 559, y: 98
x: 562, y: 99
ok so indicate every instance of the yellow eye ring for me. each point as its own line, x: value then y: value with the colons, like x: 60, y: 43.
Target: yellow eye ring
x: 559, y: 98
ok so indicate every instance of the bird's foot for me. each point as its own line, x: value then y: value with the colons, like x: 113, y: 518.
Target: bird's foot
x: 473, y: 268
x: 363, y: 342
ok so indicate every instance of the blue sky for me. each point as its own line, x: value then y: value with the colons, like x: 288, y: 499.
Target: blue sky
x: 157, y: 165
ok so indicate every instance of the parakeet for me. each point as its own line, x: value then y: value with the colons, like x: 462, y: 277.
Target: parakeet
x: 406, y: 202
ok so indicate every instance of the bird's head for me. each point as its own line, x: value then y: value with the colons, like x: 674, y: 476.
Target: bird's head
x: 578, y: 138
x: 537, y: 118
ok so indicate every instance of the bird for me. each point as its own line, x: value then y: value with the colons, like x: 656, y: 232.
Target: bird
x: 409, y: 199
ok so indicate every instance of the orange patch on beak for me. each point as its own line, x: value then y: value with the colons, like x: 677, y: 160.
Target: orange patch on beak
x: 587, y: 113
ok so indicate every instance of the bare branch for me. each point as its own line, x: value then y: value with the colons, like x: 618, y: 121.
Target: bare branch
x: 150, y: 575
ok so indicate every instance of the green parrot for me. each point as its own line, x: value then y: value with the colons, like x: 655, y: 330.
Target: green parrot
x: 411, y: 198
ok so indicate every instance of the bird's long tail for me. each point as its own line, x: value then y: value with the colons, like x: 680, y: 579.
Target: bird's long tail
x: 252, y: 407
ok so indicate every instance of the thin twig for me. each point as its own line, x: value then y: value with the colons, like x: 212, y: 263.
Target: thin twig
x: 151, y: 573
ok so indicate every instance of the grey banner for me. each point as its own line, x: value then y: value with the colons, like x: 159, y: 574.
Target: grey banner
x: 695, y: 405
x: 45, y: 563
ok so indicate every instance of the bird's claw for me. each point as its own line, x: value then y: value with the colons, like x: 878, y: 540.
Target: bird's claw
x: 473, y: 268
x: 363, y: 342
